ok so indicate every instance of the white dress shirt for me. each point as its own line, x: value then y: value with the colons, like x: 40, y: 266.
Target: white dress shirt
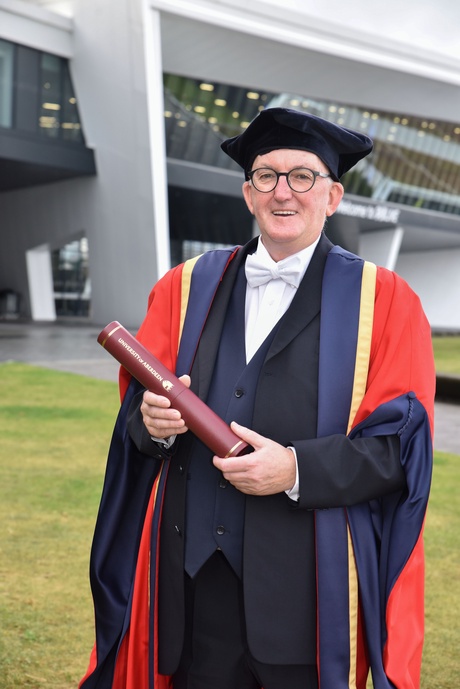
x: 266, y: 303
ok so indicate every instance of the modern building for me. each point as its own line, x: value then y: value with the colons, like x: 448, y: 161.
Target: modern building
x: 111, y: 115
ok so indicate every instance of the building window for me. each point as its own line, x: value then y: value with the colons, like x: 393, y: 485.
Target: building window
x: 58, y: 112
x: 6, y: 83
x: 72, y: 289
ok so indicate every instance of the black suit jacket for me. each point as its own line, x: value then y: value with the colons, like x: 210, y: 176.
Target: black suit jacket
x: 279, y: 561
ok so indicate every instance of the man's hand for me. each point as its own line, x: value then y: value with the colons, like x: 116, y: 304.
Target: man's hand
x: 160, y: 420
x: 270, y: 469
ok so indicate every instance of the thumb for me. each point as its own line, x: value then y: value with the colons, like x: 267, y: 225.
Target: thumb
x: 251, y: 437
x: 186, y: 380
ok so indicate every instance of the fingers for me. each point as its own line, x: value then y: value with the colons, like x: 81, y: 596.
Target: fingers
x: 270, y: 469
x: 251, y: 437
x: 160, y: 419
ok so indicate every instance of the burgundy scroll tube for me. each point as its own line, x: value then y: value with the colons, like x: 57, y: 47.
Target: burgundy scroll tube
x: 149, y: 371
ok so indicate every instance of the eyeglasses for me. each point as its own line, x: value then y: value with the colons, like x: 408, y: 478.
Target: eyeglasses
x: 300, y: 179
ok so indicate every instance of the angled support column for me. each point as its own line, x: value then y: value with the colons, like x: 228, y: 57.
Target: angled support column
x: 382, y: 247
x: 41, y: 289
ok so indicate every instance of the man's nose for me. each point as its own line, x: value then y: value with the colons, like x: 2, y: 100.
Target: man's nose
x: 283, y: 189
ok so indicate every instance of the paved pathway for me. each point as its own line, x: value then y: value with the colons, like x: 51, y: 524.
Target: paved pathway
x: 73, y: 347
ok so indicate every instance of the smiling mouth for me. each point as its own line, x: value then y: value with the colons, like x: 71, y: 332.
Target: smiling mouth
x: 285, y: 213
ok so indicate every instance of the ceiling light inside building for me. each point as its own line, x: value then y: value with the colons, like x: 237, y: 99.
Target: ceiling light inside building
x: 48, y: 122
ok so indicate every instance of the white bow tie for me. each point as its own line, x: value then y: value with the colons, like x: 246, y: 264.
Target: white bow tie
x: 258, y: 272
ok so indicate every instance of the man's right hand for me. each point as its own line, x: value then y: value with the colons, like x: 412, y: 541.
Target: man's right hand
x: 160, y: 420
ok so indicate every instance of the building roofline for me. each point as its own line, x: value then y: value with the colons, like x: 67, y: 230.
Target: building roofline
x: 302, y: 30
x: 36, y: 27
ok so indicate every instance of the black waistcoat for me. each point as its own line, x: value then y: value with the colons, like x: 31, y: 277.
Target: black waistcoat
x: 214, y: 508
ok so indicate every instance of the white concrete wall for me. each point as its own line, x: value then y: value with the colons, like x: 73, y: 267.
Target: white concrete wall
x: 121, y: 271
x: 64, y: 7
x: 108, y: 72
x: 303, y: 49
x: 116, y: 209
x: 431, y: 26
x: 435, y: 276
x: 51, y: 215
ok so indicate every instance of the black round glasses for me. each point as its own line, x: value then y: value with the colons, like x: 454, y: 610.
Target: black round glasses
x: 300, y: 179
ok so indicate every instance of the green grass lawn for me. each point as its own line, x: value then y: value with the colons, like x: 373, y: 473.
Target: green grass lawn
x: 442, y: 547
x: 55, y: 429
x: 447, y: 354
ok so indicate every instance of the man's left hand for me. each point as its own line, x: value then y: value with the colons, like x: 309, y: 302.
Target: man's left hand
x: 270, y: 469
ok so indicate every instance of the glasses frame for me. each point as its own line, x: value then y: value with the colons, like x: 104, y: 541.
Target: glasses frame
x: 315, y: 174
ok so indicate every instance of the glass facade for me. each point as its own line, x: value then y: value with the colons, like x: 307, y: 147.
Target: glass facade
x: 6, y: 83
x: 58, y: 108
x: 199, y: 115
x: 415, y: 162
x: 43, y: 104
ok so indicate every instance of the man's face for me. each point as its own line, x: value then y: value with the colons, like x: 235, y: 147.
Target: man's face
x: 290, y: 221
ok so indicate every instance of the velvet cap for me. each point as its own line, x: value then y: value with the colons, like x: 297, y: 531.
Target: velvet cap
x: 339, y: 148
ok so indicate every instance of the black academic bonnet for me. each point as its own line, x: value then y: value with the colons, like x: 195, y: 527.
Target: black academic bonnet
x: 339, y: 148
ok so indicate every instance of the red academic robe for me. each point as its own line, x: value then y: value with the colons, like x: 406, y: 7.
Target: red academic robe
x: 369, y: 557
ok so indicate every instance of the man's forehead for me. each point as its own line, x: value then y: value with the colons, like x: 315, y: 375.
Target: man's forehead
x: 297, y: 156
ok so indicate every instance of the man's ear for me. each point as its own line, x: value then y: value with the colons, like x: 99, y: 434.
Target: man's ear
x: 248, y: 196
x: 335, y: 196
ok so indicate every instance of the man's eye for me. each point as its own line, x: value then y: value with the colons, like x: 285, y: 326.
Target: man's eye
x: 266, y: 176
x: 302, y: 175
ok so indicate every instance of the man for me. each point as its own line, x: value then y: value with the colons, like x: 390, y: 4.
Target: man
x: 300, y: 564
